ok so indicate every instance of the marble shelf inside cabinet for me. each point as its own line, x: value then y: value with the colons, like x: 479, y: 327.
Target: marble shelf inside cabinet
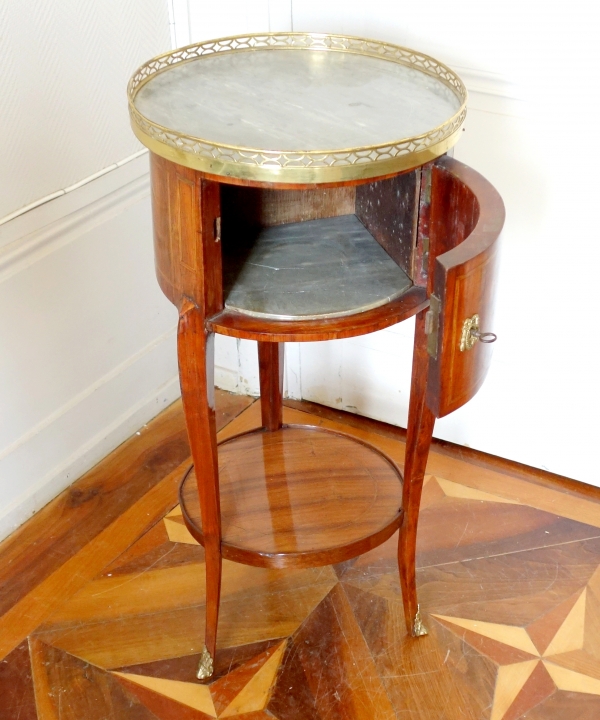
x: 328, y: 267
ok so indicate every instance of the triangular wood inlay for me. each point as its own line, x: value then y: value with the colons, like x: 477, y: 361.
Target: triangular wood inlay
x: 136, y: 554
x: 509, y: 683
x: 579, y: 661
x: 543, y: 630
x: 291, y: 698
x: 256, y: 693
x: 191, y: 694
x: 456, y: 490
x: 496, y: 650
x: 592, y: 624
x: 226, y: 689
x: 594, y: 583
x: 432, y: 493
x: 569, y: 635
x: 68, y: 688
x: 510, y: 635
x: 538, y: 687
x: 178, y: 532
x: 184, y: 668
x: 162, y: 707
x: 572, y: 681
x: 337, y: 662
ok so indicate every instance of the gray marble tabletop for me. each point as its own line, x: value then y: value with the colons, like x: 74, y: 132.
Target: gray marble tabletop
x: 297, y: 107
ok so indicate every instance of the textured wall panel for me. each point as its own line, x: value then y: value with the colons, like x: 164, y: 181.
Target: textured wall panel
x: 232, y: 17
x: 65, y: 67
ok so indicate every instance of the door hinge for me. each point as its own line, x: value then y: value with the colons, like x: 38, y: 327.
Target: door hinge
x: 432, y: 324
x: 218, y: 229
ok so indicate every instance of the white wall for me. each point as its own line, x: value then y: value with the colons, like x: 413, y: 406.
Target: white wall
x: 65, y: 66
x: 530, y: 70
x: 87, y: 341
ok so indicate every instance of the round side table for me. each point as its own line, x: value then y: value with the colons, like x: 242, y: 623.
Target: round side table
x: 301, y: 191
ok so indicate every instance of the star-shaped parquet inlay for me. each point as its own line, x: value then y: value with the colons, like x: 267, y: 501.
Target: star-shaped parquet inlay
x: 554, y: 652
x: 331, y: 642
x: 245, y: 690
x: 510, y: 567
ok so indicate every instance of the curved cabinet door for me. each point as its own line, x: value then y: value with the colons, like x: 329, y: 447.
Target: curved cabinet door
x: 466, y: 217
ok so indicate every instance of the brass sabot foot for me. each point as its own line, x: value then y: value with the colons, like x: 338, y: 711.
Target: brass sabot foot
x: 418, y: 629
x: 205, y: 667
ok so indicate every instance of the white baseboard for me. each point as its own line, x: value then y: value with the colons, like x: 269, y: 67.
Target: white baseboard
x: 226, y: 379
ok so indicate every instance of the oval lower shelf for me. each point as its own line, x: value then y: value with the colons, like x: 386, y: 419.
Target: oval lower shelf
x: 301, y: 496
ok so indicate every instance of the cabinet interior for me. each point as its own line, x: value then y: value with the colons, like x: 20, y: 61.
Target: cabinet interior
x: 320, y: 251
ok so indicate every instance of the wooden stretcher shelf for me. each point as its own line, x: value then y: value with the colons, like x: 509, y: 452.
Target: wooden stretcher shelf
x: 298, y: 497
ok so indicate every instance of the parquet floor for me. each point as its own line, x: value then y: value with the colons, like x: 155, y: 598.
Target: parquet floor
x: 102, y: 603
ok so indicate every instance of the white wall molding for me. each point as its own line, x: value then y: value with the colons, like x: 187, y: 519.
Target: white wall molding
x: 87, y: 340
x: 488, y: 83
x: 120, y: 351
x: 71, y: 188
x: 83, y: 396
x: 53, y: 452
x: 83, y: 457
x: 492, y: 92
x: 22, y: 252
x: 24, y: 224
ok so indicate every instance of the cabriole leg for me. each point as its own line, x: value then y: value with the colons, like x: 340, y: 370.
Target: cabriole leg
x: 418, y: 440
x: 196, y: 372
x: 270, y: 365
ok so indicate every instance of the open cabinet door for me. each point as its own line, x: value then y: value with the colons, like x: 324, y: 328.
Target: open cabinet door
x: 466, y: 217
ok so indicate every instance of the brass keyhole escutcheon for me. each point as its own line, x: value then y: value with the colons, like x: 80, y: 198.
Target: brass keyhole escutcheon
x: 467, y: 339
x: 471, y: 334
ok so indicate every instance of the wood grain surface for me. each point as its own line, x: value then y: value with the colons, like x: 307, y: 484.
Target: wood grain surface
x: 388, y: 209
x: 255, y: 207
x: 196, y: 356
x: 270, y: 371
x: 300, y: 496
x: 67, y: 542
x: 466, y: 219
x: 508, y: 571
x: 418, y: 440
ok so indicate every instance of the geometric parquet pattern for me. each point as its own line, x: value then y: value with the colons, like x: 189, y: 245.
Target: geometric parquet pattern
x: 509, y: 586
